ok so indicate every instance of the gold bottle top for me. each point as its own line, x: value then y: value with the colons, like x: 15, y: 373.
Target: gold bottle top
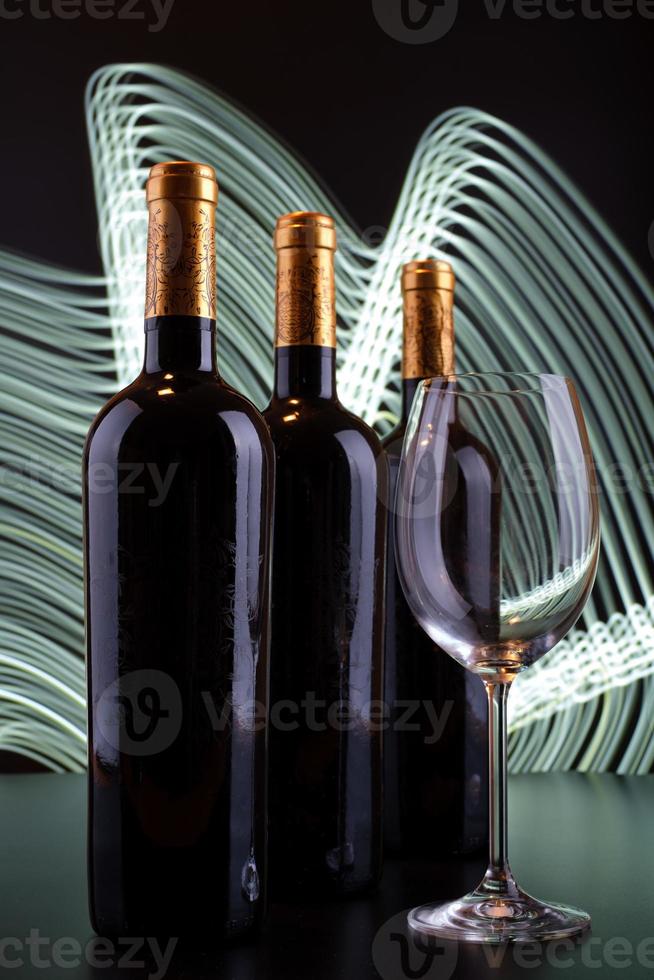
x: 305, y: 291
x: 181, y: 258
x: 428, y: 301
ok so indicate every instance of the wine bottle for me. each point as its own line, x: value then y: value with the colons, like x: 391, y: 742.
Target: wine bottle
x: 435, y: 748
x: 327, y: 616
x: 178, y: 472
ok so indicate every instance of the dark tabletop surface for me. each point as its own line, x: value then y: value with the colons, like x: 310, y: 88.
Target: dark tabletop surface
x: 583, y: 839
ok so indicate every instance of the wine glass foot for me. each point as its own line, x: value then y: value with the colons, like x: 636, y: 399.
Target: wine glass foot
x: 478, y: 918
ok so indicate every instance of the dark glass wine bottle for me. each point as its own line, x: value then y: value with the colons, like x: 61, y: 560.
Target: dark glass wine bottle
x: 435, y: 748
x: 328, y: 567
x: 178, y: 474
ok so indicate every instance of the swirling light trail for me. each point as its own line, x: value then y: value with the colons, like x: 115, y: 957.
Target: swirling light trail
x: 543, y: 285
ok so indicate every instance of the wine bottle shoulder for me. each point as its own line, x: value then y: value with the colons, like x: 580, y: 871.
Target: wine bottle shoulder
x: 155, y: 413
x: 317, y: 428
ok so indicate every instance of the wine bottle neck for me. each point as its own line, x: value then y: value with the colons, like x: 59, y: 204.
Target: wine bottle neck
x: 180, y: 344
x: 305, y: 321
x: 305, y: 371
x: 180, y: 292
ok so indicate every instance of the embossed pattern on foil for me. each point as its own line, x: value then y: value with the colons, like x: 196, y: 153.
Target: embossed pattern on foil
x: 306, y: 310
x: 428, y: 345
x: 181, y: 259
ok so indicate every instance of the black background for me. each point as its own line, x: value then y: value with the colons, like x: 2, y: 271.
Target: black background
x: 349, y: 98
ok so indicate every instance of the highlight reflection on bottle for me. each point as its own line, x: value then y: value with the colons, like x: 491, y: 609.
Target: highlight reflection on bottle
x: 435, y: 770
x: 177, y: 505
x: 328, y: 566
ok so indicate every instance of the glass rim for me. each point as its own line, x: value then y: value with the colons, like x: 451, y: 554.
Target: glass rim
x: 524, y: 388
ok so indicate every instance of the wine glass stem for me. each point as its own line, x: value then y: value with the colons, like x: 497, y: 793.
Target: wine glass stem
x: 498, y: 878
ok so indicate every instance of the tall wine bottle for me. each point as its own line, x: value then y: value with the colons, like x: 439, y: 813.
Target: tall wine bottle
x: 328, y: 568
x: 435, y: 768
x: 178, y: 472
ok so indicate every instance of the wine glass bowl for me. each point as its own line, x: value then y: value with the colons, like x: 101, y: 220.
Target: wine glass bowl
x: 497, y: 542
x: 497, y: 522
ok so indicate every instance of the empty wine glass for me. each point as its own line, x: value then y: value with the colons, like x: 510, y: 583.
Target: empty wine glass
x: 497, y: 540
